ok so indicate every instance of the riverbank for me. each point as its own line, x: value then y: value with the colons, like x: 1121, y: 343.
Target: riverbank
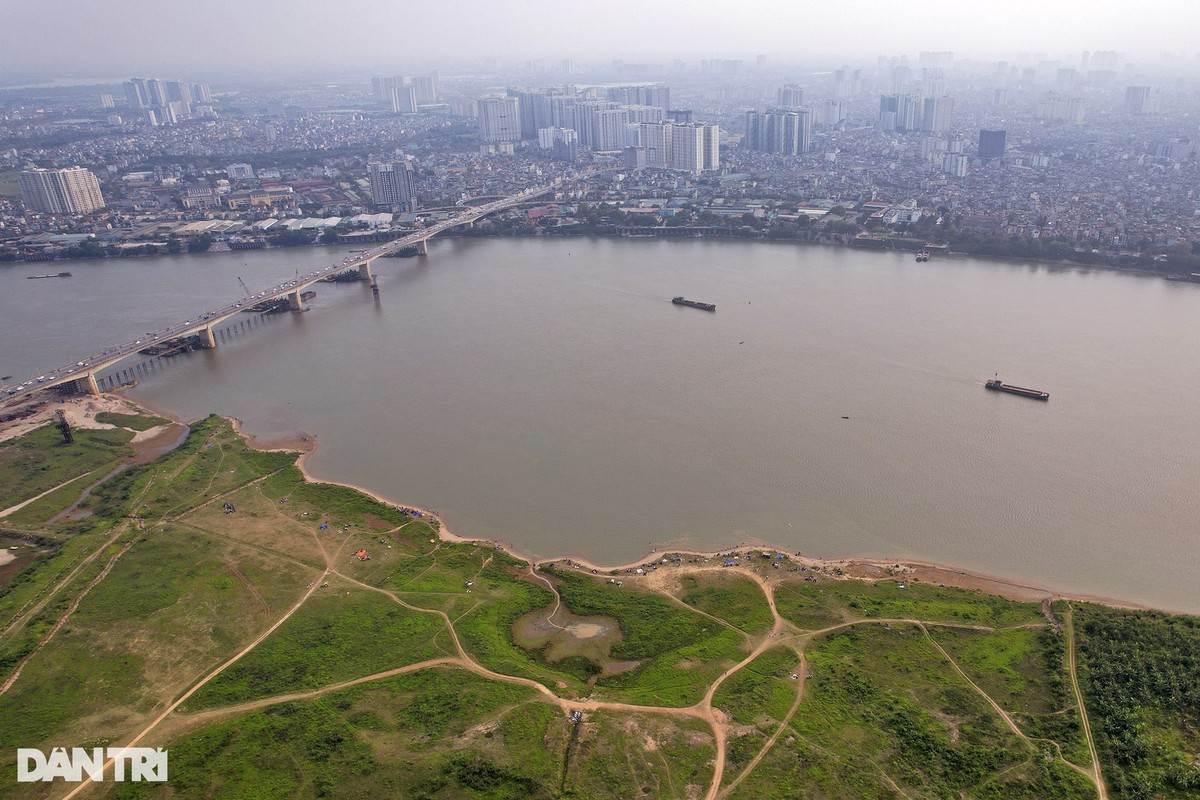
x: 831, y: 241
x: 848, y: 568
x: 156, y: 441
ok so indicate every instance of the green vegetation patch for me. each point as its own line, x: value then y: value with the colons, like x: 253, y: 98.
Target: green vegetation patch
x: 639, y: 755
x: 680, y: 652
x: 39, y: 512
x: 293, y: 750
x: 728, y: 596
x: 826, y: 602
x: 437, y: 733
x: 884, y: 709
x: 762, y: 692
x: 1140, y: 674
x: 212, y: 460
x: 1024, y: 671
x: 337, y: 635
x: 41, y: 460
x: 135, y: 422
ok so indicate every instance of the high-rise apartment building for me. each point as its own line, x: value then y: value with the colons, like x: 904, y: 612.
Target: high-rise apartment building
x: 392, y: 184
x: 426, y: 88
x: 402, y: 99
x: 135, y: 95
x: 779, y: 130
x: 562, y: 142
x: 1058, y: 108
x: 500, y: 119
x: 659, y: 96
x: 687, y: 148
x: 954, y: 164
x: 938, y: 114
x: 169, y: 100
x: 658, y: 141
x: 61, y: 191
x: 991, y: 145
x: 789, y: 96
x: 900, y: 112
x: 692, y: 148
x: 1138, y: 100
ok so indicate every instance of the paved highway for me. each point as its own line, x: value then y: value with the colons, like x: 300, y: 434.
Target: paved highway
x: 106, y: 358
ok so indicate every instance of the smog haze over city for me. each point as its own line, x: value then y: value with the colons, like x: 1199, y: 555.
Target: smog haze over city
x: 502, y: 399
x: 307, y: 35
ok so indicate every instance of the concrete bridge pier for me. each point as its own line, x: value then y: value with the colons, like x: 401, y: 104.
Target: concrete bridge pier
x: 207, y: 340
x: 364, y: 271
x: 87, y: 384
x: 423, y: 247
x: 295, y: 302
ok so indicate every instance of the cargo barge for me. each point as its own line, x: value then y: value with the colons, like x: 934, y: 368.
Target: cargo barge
x: 1035, y: 394
x: 59, y: 275
x: 679, y: 301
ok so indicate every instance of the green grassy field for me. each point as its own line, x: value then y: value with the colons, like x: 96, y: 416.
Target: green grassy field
x: 41, y: 460
x: 134, y: 422
x: 735, y: 599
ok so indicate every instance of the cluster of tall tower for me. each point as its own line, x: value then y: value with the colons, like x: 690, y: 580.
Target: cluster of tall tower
x: 691, y: 147
x: 166, y: 102
x: 606, y: 119
x: 779, y: 130
x: 906, y: 112
x: 402, y: 95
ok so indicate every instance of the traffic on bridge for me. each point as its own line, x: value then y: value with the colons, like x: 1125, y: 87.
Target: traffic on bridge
x: 83, y: 372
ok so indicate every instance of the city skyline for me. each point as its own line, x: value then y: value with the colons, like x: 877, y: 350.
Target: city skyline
x: 133, y: 36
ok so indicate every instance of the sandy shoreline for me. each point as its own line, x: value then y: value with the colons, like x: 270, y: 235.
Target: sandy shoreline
x: 158, y: 440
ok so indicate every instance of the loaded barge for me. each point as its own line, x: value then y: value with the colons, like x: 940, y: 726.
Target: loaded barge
x: 59, y: 275
x: 679, y: 301
x: 1035, y: 394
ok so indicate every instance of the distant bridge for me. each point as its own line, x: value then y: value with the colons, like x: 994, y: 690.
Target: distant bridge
x: 83, y: 373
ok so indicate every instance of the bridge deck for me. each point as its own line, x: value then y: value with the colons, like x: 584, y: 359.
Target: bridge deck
x: 85, y: 370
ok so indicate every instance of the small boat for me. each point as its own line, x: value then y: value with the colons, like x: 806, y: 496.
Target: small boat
x: 922, y: 255
x: 1035, y: 394
x: 679, y: 301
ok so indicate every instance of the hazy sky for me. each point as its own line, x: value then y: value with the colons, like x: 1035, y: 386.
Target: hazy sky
x: 190, y: 38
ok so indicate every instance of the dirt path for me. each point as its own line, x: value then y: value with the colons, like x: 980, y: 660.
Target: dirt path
x: 1012, y: 726
x: 802, y: 672
x: 23, y: 616
x: 770, y: 640
x: 34, y: 499
x: 203, y: 717
x: 199, y: 685
x: 16, y: 673
x: 1096, y: 775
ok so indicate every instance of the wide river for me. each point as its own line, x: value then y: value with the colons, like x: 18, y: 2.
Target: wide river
x: 545, y: 392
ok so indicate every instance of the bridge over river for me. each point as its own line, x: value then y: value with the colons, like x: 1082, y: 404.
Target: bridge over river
x: 82, y: 374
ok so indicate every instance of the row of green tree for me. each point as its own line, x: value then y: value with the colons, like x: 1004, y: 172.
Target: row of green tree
x: 1141, y: 681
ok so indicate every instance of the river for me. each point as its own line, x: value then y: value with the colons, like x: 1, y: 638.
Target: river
x: 545, y: 392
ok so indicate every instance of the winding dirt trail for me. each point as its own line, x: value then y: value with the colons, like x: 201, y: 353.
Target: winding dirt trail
x: 200, y: 684
x: 1008, y: 720
x: 782, y: 633
x: 1096, y: 775
x: 802, y: 672
x: 62, y: 620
